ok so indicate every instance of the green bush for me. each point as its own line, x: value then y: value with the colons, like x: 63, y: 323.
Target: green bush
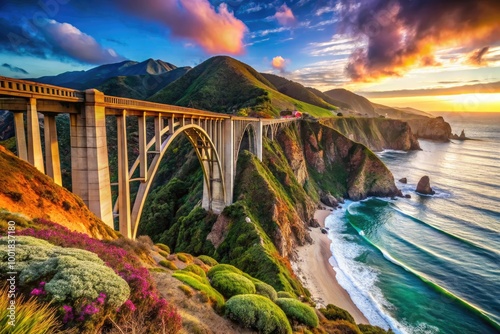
x: 265, y: 290
x: 184, y: 257
x: 168, y: 264
x: 205, y: 288
x: 332, y: 312
x: 284, y: 294
x: 163, y: 247
x: 200, y: 279
x: 195, y: 269
x: 187, y: 290
x: 370, y: 329
x: 164, y: 254
x: 230, y: 284
x: 223, y: 267
x: 70, y: 274
x: 298, y: 311
x: 257, y: 312
x: 208, y: 260
x: 341, y: 326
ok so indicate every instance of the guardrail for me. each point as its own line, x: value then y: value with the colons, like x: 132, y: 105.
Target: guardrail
x: 120, y: 102
x: 33, y: 89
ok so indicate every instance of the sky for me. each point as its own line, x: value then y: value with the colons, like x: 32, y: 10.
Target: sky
x: 434, y: 55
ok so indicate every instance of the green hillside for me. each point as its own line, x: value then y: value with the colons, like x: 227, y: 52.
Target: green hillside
x: 297, y: 91
x: 223, y: 84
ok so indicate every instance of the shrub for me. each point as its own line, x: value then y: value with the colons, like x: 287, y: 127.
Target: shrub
x: 212, y: 294
x: 195, y: 269
x: 231, y: 284
x: 66, y: 205
x: 31, y: 316
x: 187, y: 290
x: 168, y: 264
x: 284, y: 294
x: 14, y: 195
x: 163, y: 247
x: 164, y: 254
x: 332, y: 312
x: 183, y: 257
x: 257, y: 312
x: 223, y: 267
x: 208, y: 260
x: 340, y: 326
x: 265, y: 290
x: 200, y: 279
x: 298, y: 311
x: 155, y: 312
x: 71, y: 274
x: 370, y: 329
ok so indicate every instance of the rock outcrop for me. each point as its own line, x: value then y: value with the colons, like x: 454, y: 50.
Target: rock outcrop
x: 328, y: 199
x: 376, y: 133
x: 461, y: 137
x: 431, y: 128
x: 424, y: 186
x: 341, y: 166
x: 404, y: 180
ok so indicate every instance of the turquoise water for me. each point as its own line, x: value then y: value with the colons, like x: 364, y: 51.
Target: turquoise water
x: 429, y: 264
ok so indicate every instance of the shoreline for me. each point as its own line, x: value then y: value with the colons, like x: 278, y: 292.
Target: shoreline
x: 313, y: 268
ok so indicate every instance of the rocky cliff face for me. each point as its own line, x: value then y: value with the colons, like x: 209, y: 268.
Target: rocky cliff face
x: 431, y: 128
x: 343, y: 167
x: 376, y: 133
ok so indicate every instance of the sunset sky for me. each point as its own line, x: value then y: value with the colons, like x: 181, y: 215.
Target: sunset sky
x: 434, y: 55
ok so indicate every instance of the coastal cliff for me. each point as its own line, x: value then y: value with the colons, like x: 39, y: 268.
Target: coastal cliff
x: 431, y: 128
x: 376, y: 133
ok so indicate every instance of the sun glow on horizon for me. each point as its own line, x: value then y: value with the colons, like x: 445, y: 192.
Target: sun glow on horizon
x: 474, y: 102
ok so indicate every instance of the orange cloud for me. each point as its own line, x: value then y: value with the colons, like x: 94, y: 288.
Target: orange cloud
x: 285, y: 16
x: 216, y: 31
x: 279, y: 63
x: 477, y: 57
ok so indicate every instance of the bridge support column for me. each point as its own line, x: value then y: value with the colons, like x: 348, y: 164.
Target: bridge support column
x: 143, y: 159
x: 258, y: 137
x: 35, y: 156
x: 52, y: 160
x: 228, y: 158
x: 123, y: 178
x: 22, y: 151
x: 89, y: 157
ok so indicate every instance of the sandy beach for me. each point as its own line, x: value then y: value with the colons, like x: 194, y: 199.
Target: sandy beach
x: 312, y: 266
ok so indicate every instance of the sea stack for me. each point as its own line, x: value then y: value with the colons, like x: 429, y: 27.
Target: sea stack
x: 403, y: 180
x: 424, y: 186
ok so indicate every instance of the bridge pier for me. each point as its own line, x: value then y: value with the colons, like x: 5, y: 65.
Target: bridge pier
x: 123, y: 177
x: 35, y: 156
x: 52, y: 159
x: 89, y: 156
x: 228, y: 159
x: 22, y: 151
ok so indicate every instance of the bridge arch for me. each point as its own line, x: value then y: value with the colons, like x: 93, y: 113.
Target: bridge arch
x: 214, y: 195
x: 251, y: 132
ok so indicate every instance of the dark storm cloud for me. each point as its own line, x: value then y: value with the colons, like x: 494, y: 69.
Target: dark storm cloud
x: 51, y: 39
x: 15, y: 69
x: 405, y: 33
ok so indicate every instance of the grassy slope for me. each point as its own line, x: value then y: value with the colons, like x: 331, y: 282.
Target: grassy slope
x: 297, y: 91
x: 27, y: 191
x: 223, y: 84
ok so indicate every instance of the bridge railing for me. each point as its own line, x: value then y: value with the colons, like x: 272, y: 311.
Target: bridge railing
x: 120, y: 102
x: 33, y: 89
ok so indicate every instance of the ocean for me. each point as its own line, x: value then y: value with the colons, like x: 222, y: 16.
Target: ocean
x: 429, y: 264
